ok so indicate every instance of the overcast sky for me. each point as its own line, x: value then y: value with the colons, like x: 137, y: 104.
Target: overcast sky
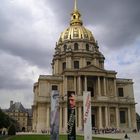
x: 29, y: 30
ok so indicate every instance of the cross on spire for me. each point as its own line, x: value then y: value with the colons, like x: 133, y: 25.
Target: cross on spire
x: 75, y: 5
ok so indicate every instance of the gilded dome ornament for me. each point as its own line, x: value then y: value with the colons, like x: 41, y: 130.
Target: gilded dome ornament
x: 76, y: 30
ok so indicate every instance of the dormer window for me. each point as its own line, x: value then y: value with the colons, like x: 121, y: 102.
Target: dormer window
x: 75, y: 46
x: 87, y: 47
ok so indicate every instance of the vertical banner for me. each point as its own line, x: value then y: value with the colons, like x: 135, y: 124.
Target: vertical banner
x: 87, y: 115
x: 54, y: 118
x: 71, y: 115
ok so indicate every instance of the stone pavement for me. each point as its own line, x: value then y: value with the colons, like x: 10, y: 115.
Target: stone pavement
x: 132, y: 136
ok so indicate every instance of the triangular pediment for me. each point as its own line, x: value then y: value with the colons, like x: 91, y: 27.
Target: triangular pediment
x: 92, y: 68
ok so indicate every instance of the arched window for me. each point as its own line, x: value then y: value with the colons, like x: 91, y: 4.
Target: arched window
x: 87, y: 47
x: 75, y: 46
x: 65, y: 47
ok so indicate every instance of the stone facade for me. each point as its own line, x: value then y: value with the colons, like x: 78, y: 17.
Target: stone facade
x: 78, y: 66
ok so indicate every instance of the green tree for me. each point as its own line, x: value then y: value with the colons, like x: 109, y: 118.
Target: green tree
x: 12, y: 130
x: 6, y: 121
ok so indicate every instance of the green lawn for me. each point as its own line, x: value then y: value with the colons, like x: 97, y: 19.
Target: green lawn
x: 3, y: 137
x: 47, y: 137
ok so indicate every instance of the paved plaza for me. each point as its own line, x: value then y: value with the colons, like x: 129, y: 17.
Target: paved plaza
x: 132, y: 136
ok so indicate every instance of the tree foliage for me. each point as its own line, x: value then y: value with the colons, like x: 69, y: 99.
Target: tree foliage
x: 5, y: 120
x: 12, y: 130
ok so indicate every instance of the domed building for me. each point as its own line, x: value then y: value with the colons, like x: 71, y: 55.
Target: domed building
x: 78, y: 66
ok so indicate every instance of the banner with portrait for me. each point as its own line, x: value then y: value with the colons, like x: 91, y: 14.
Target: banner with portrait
x: 87, y: 115
x: 71, y: 115
x: 54, y: 118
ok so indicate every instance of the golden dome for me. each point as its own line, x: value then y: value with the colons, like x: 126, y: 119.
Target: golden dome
x: 76, y: 31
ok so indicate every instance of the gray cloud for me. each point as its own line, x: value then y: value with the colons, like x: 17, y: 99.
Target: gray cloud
x: 31, y: 52
x: 19, y: 36
x: 13, y: 75
x: 119, y: 19
x: 30, y: 28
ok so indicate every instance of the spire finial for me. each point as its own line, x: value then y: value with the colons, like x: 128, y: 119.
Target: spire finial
x: 75, y: 5
x: 75, y: 15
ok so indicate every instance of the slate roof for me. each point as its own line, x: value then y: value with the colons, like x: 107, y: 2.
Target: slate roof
x: 29, y: 111
x: 16, y: 107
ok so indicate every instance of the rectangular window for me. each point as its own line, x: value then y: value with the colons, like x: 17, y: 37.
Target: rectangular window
x: 54, y: 87
x: 120, y: 92
x: 91, y: 89
x: 88, y: 63
x: 64, y: 66
x: 76, y: 64
x: 122, y: 117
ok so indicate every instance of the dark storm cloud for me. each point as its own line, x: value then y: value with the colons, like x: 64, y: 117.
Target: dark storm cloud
x: 118, y: 19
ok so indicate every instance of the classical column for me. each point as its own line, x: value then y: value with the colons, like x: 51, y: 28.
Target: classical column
x: 85, y: 83
x: 104, y: 86
x: 48, y: 118
x: 129, y: 118
x: 133, y: 117
x: 109, y: 117
x: 60, y: 119
x: 99, y: 87
x: 117, y: 117
x: 79, y: 85
x: 75, y: 85
x: 95, y: 62
x: 106, y: 116
x: 100, y: 117
x: 115, y: 92
x: 80, y: 117
x: 65, y: 85
x: 65, y: 119
x: 56, y: 66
